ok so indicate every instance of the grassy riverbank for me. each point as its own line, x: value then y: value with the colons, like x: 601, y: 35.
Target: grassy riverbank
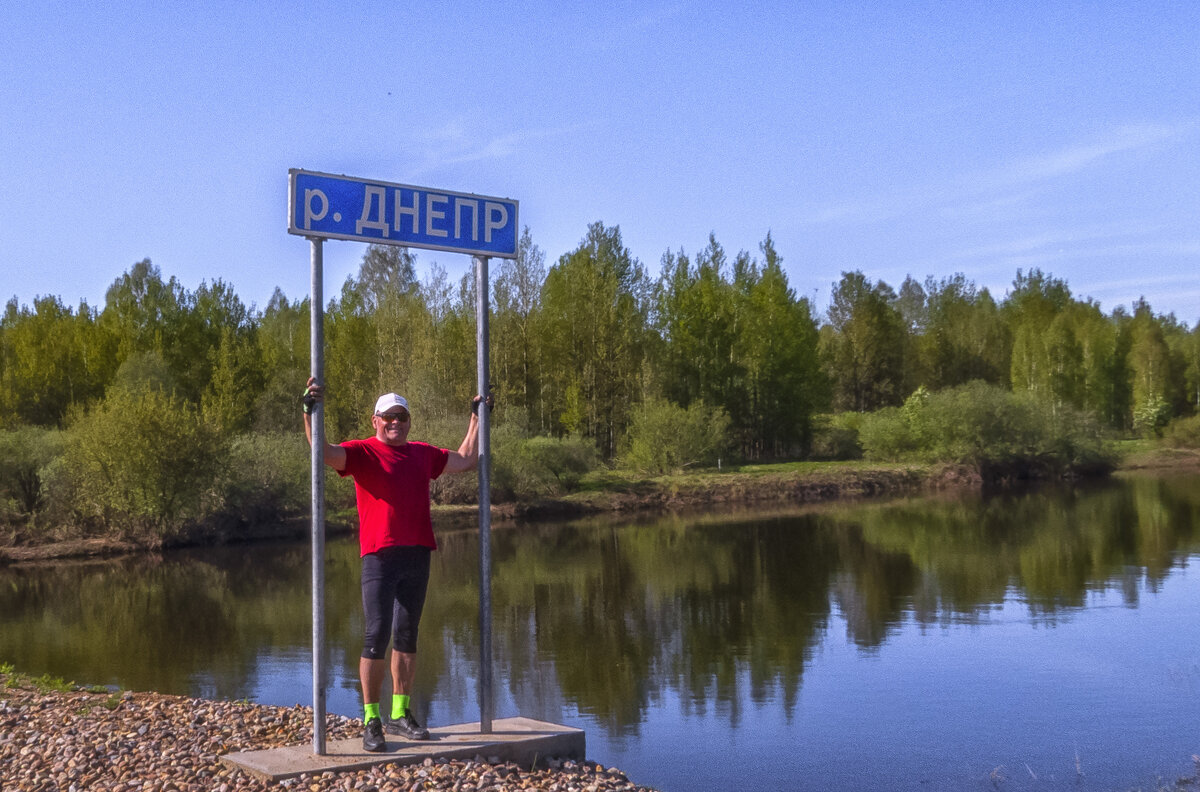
x: 56, y: 735
x: 599, y: 492
x: 623, y: 492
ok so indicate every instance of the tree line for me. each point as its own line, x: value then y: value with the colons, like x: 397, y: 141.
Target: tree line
x: 593, y: 356
x: 578, y: 346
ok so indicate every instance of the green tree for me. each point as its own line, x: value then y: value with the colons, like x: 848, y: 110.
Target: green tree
x: 778, y: 349
x: 146, y: 314
x: 593, y: 332
x: 515, y: 358
x: 1036, y: 297
x: 698, y: 317
x: 963, y: 336
x: 1046, y: 358
x: 865, y: 352
x: 386, y: 270
x: 1105, y: 363
x: 1064, y: 355
x: 1192, y: 368
x: 50, y: 358
x: 282, y: 351
x: 237, y: 374
x: 212, y: 315
x: 351, y: 363
x: 24, y: 455
x: 1150, y: 364
x: 1180, y: 343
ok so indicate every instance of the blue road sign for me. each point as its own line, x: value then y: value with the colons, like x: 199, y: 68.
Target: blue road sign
x: 362, y: 210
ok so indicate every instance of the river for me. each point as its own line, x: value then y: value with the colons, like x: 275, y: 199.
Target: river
x: 1034, y: 640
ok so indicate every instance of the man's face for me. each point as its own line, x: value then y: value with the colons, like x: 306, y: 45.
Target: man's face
x: 392, y: 427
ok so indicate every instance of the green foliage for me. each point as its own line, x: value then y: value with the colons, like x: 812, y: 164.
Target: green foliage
x: 25, y: 454
x: 698, y: 314
x: 141, y: 461
x: 864, y: 357
x: 268, y: 476
x: 551, y: 465
x: 666, y: 438
x: 282, y: 349
x: 528, y: 467
x: 575, y: 351
x: 44, y: 683
x: 836, y: 437
x: 987, y: 427
x: 227, y: 399
x: 738, y: 338
x: 516, y: 354
x: 52, y: 684
x: 50, y: 358
x: 1184, y: 432
x: 1151, y: 416
x: 886, y: 435
x: 593, y: 332
x: 961, y: 335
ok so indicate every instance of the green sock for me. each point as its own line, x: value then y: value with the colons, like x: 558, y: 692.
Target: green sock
x: 372, y: 711
x: 399, y: 706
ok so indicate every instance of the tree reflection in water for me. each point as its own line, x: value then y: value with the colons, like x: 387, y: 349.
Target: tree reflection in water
x: 605, y: 620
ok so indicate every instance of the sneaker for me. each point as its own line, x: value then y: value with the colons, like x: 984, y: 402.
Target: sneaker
x: 373, y: 739
x: 408, y: 728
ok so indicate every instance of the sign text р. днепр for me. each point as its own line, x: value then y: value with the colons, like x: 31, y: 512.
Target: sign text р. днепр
x: 364, y: 210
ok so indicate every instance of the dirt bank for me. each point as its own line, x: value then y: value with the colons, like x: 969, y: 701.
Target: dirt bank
x: 821, y: 484
x: 771, y: 485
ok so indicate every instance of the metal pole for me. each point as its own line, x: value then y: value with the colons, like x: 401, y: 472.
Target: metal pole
x: 485, y: 499
x: 317, y: 355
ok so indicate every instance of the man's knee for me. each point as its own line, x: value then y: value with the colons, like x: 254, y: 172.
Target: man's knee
x: 375, y: 646
x: 406, y: 640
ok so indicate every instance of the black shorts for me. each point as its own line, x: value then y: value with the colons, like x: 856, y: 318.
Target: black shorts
x: 394, y: 580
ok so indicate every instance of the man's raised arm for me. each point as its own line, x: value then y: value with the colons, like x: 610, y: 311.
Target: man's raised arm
x: 335, y: 455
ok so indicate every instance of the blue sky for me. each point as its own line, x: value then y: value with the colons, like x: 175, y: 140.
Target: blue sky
x: 902, y: 138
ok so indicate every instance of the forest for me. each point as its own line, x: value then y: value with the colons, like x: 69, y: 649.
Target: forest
x: 166, y: 406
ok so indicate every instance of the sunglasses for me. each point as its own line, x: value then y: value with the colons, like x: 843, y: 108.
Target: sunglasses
x: 390, y: 417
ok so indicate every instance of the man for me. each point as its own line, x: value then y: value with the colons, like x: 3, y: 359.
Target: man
x: 391, y: 484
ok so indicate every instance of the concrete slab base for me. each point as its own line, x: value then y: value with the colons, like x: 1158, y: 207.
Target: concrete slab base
x: 523, y: 741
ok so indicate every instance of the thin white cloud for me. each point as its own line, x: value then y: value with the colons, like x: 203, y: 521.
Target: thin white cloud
x: 452, y: 145
x: 1080, y: 156
x: 978, y: 193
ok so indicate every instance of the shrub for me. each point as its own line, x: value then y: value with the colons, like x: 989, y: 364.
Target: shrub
x: 1184, y: 432
x: 886, y: 435
x: 1151, y: 417
x: 522, y: 467
x: 269, y: 477
x: 550, y: 465
x: 141, y: 461
x: 25, y: 454
x: 664, y: 437
x: 987, y: 427
x: 836, y: 437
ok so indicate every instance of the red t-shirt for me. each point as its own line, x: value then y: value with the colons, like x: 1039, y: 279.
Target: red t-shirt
x: 392, y: 488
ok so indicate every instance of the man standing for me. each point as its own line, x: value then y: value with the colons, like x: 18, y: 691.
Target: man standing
x: 391, y: 485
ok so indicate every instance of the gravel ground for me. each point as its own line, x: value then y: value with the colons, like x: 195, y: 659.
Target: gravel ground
x: 92, y: 739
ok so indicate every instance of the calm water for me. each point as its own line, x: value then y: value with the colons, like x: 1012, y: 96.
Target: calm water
x: 1036, y: 641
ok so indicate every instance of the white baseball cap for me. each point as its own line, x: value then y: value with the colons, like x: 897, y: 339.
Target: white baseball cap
x: 389, y: 401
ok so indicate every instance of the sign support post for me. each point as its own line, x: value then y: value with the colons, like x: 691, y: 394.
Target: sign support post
x: 327, y: 206
x: 485, y: 497
x: 317, y: 357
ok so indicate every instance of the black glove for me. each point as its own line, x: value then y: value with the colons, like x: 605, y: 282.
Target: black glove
x: 308, y: 402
